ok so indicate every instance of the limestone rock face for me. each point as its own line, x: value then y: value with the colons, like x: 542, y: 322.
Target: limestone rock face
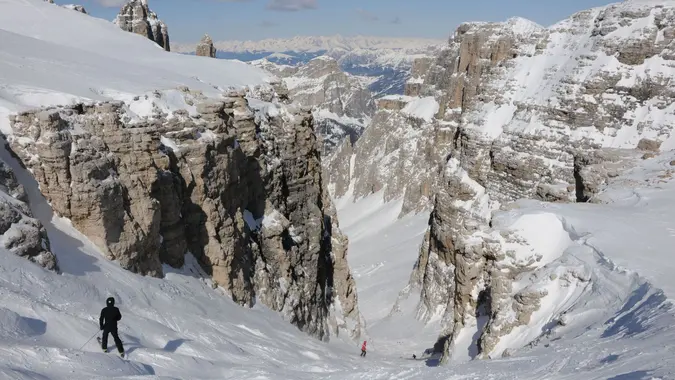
x: 136, y: 17
x: 20, y: 233
x: 548, y: 114
x: 523, y: 111
x: 238, y: 187
x: 342, y: 103
x: 331, y: 88
x: 205, y: 47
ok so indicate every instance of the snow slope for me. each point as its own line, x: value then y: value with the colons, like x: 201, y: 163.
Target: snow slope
x: 52, y: 55
x: 613, y: 287
x: 176, y: 327
x: 180, y: 328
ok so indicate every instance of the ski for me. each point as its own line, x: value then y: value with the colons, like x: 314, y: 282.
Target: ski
x: 100, y: 343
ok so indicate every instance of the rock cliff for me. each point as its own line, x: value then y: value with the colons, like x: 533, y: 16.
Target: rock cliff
x: 342, y: 103
x: 20, y: 233
x: 548, y: 114
x: 522, y: 112
x: 136, y: 17
x: 237, y: 185
x: 205, y: 47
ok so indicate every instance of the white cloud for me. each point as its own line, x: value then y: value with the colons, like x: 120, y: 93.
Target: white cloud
x: 291, y: 5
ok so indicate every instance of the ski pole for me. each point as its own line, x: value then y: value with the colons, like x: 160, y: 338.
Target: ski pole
x: 85, y: 343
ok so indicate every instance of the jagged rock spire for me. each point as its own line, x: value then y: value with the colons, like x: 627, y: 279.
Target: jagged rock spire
x: 205, y: 47
x: 136, y: 17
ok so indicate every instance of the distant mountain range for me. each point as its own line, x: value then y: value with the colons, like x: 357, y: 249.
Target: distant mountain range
x: 316, y: 44
x: 387, y: 60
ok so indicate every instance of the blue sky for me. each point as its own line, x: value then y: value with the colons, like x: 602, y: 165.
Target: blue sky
x: 188, y: 20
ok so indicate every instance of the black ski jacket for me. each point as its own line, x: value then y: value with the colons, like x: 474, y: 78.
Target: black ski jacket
x: 109, y: 317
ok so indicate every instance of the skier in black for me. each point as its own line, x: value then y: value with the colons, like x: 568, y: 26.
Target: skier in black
x: 108, y: 323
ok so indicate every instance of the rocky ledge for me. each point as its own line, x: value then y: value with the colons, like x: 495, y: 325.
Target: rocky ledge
x: 238, y: 186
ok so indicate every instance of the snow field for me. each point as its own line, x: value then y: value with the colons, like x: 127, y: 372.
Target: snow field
x: 606, y: 269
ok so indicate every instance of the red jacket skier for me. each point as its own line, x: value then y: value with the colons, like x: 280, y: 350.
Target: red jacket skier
x: 363, y: 348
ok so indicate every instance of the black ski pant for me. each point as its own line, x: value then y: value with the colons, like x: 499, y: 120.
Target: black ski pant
x: 112, y: 331
x: 363, y: 352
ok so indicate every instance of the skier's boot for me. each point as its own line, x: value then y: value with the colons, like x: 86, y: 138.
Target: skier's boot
x: 122, y: 355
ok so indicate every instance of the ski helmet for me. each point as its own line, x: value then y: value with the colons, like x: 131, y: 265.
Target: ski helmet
x: 110, y: 301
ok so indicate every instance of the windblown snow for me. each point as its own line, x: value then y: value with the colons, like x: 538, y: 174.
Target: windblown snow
x: 606, y: 267
x: 51, y: 55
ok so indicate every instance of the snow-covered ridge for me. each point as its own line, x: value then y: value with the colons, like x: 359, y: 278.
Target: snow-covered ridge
x: 92, y: 59
x: 317, y: 43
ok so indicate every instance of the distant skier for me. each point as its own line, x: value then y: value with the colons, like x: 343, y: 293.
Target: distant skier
x: 363, y: 349
x: 414, y: 356
x: 108, y: 323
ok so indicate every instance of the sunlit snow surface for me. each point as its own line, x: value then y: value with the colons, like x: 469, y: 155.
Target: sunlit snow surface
x: 180, y: 328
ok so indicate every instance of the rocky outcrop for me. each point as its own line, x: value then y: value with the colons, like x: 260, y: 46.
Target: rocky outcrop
x: 20, y: 233
x: 325, y: 85
x: 78, y: 8
x: 239, y: 188
x: 342, y: 103
x: 400, y: 153
x: 548, y: 114
x: 391, y: 103
x: 523, y: 112
x: 136, y: 17
x: 205, y: 47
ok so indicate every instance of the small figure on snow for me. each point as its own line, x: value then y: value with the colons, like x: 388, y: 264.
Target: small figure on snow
x: 108, y: 323
x: 414, y: 356
x: 363, y: 349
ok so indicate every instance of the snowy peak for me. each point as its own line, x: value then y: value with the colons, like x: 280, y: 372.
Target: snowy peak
x: 136, y: 17
x: 516, y: 26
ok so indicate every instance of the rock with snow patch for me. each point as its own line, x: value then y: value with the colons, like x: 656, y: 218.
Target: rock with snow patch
x: 342, y: 102
x: 522, y: 128
x: 522, y: 111
x: 136, y: 17
x: 20, y: 233
x: 75, y: 7
x: 205, y: 47
x: 649, y: 145
x: 237, y: 186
